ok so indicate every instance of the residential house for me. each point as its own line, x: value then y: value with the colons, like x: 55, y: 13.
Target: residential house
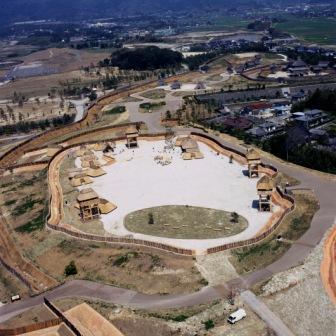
x: 311, y: 119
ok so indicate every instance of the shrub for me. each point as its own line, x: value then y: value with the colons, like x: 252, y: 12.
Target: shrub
x: 150, y: 218
x: 209, y: 324
x: 70, y: 269
x: 116, y: 110
x: 9, y: 203
x: 234, y: 217
x: 179, y: 318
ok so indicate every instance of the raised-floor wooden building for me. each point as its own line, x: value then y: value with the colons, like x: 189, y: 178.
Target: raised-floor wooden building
x: 265, y: 187
x: 88, y: 202
x: 132, y: 135
x: 253, y: 162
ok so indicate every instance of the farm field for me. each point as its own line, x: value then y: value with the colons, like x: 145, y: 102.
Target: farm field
x: 226, y: 23
x: 317, y: 30
x: 41, y: 85
x: 65, y: 59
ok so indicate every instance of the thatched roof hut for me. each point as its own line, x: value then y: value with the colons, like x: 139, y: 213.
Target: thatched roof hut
x: 105, y: 206
x: 252, y: 155
x: 99, y: 147
x: 88, y: 157
x: 87, y: 194
x: 265, y: 184
x: 131, y: 130
x: 189, y: 144
x: 186, y: 156
x: 95, y: 172
x: 72, y: 172
x: 179, y: 140
x: 81, y: 179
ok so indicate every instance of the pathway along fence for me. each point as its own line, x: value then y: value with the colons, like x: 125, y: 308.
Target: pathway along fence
x: 30, y: 328
x: 166, y: 247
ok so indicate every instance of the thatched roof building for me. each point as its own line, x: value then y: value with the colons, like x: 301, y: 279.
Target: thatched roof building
x: 105, y: 206
x: 98, y: 147
x: 72, y: 172
x: 80, y: 179
x: 265, y: 185
x: 87, y: 194
x: 95, y: 171
x: 132, y: 135
x: 252, y: 155
x: 190, y: 149
x: 188, y: 144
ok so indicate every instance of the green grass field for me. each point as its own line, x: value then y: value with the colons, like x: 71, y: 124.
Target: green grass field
x: 185, y: 222
x: 225, y: 23
x: 317, y: 30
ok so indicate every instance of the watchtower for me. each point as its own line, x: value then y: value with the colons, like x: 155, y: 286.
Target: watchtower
x: 88, y: 201
x: 132, y: 135
x: 253, y: 162
x: 265, y: 187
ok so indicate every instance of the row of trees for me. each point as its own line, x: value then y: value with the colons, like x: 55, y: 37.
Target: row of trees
x: 28, y: 126
x: 306, y: 155
x: 320, y: 99
x: 194, y: 62
x: 310, y: 58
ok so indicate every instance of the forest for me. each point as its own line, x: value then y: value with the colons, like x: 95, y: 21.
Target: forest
x: 149, y: 58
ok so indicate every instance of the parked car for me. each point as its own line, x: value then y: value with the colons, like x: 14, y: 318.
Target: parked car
x: 15, y: 298
x: 237, y: 316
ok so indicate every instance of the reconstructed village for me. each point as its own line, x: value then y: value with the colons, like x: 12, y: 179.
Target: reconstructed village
x: 169, y: 173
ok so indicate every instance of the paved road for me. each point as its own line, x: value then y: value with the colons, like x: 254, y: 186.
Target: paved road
x: 92, y: 290
x: 80, y: 108
x: 272, y: 320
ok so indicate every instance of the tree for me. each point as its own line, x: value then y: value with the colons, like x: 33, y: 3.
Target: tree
x: 93, y: 96
x: 70, y: 269
x: 168, y: 115
x: 150, y: 218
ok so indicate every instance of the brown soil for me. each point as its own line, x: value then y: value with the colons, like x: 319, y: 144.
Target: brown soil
x: 65, y: 59
x: 33, y: 315
x: 142, y: 270
x: 10, y: 285
x: 42, y: 85
x: 23, y: 198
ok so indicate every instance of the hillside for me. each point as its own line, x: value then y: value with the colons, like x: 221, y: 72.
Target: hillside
x: 23, y: 10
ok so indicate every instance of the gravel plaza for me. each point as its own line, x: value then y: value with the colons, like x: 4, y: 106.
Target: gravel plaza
x: 137, y: 181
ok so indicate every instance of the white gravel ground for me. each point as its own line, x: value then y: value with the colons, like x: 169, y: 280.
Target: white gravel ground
x: 298, y: 297
x: 136, y: 182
